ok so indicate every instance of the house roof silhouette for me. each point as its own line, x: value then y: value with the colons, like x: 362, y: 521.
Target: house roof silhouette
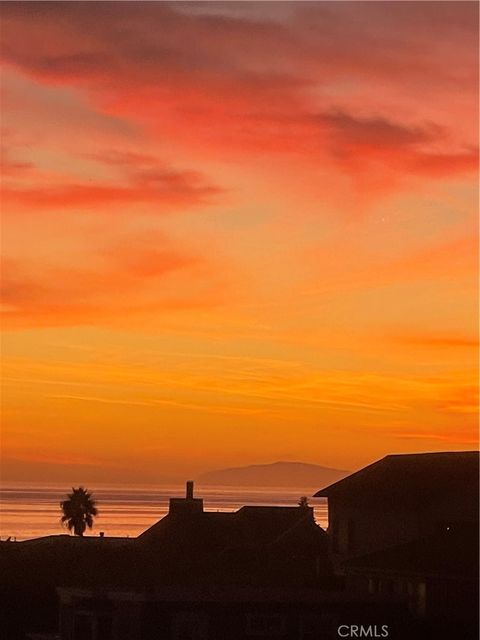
x: 416, y: 478
x: 248, y: 525
x: 236, y: 546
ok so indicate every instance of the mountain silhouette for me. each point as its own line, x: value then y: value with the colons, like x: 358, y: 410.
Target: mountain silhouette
x: 279, y: 474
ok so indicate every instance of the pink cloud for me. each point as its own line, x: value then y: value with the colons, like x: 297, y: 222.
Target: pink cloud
x: 265, y: 84
x: 140, y: 179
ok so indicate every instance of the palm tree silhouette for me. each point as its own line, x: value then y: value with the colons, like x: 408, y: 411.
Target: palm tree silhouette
x: 79, y: 510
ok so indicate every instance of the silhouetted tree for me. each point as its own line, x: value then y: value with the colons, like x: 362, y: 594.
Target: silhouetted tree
x: 78, y: 510
x: 303, y: 502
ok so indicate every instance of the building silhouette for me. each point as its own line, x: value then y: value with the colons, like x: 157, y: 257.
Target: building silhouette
x: 401, y: 550
x: 401, y: 498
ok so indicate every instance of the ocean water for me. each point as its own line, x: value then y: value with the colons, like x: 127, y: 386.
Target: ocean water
x: 28, y: 511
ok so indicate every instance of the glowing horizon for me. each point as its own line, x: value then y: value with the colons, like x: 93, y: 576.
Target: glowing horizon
x: 236, y: 233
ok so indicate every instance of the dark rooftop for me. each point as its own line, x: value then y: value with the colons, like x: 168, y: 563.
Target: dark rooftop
x: 422, y: 476
x: 250, y: 524
x: 66, y: 539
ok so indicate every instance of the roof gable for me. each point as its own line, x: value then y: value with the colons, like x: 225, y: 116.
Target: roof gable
x: 422, y: 476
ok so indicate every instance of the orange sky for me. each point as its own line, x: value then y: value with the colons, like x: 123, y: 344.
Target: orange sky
x: 236, y: 233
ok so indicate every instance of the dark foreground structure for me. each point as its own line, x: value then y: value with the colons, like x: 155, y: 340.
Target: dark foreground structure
x: 236, y: 613
x: 406, y: 527
x: 400, y: 560
x: 401, y: 498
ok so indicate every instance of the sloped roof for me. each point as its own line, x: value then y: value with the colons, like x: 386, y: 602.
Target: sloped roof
x: 233, y: 547
x: 66, y: 539
x: 420, y: 476
x: 250, y: 525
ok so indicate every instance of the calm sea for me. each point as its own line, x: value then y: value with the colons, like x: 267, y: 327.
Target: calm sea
x: 29, y: 512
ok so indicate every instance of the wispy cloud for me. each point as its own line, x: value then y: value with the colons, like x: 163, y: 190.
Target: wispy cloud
x: 453, y: 438
x: 192, y: 70
x: 141, y: 180
x: 256, y: 221
x: 121, y: 279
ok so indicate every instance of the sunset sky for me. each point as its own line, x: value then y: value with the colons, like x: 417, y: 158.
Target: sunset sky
x: 235, y: 234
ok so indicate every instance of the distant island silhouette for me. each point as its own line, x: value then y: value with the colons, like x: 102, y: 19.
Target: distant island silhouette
x: 276, y: 474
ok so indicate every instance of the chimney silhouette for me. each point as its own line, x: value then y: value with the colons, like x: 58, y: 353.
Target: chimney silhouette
x: 187, y: 506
